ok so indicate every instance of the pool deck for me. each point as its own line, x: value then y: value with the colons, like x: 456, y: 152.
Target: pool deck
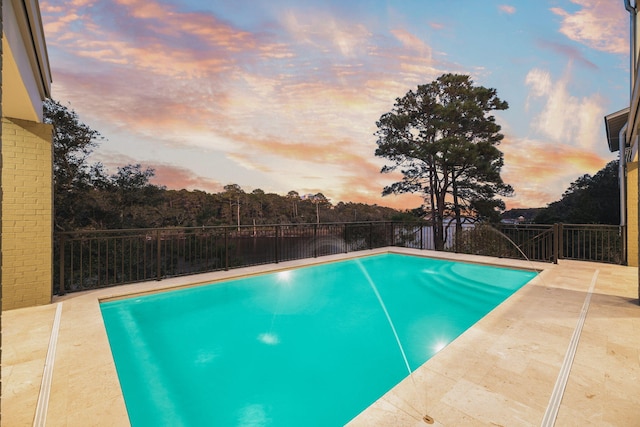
x: 501, y: 372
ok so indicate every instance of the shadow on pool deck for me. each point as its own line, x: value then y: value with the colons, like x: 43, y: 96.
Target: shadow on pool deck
x: 501, y: 371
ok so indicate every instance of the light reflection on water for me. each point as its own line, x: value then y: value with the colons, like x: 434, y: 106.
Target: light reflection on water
x: 269, y: 338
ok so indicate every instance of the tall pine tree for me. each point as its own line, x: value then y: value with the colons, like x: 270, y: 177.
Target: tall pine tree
x: 443, y: 140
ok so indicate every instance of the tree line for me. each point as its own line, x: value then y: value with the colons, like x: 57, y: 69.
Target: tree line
x: 87, y: 197
x: 588, y: 200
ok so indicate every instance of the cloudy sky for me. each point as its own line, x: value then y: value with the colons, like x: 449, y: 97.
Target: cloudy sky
x: 284, y: 94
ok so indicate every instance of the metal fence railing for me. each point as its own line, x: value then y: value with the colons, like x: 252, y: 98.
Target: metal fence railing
x: 531, y: 241
x: 95, y: 259
x: 588, y: 242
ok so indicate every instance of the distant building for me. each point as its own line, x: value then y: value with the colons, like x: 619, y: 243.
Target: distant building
x: 27, y: 159
x: 518, y: 220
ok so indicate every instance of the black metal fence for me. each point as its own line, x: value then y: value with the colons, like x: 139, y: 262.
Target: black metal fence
x: 95, y: 259
x: 531, y: 241
x: 546, y: 243
x: 600, y: 243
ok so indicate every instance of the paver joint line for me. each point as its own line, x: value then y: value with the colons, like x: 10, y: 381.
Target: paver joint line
x: 45, y: 387
x: 551, y: 413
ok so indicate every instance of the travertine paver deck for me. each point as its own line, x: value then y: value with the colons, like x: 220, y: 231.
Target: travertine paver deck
x: 502, y: 371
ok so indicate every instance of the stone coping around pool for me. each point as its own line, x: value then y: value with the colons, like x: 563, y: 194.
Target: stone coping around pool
x: 502, y: 370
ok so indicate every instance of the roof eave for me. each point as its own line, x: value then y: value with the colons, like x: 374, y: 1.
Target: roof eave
x: 614, y: 123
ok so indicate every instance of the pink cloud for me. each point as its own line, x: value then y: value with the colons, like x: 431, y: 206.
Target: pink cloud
x: 163, y: 82
x: 509, y: 10
x: 153, y: 37
x: 410, y: 41
x: 601, y: 25
x: 175, y: 177
x: 170, y: 176
x: 569, y: 51
x: 146, y: 10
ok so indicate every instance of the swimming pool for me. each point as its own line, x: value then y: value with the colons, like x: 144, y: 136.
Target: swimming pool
x: 307, y: 346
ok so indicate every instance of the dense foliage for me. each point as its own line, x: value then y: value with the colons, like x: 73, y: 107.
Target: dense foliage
x: 443, y: 140
x: 86, y: 197
x: 588, y: 200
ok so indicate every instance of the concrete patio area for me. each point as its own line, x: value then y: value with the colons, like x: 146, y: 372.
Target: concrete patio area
x: 500, y: 372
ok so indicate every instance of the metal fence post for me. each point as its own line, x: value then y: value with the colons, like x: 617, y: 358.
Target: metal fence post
x: 226, y: 249
x: 277, y: 234
x: 561, y: 241
x: 370, y: 235
x: 315, y: 240
x: 623, y: 234
x: 555, y: 253
x: 345, y: 236
x: 392, y: 232
x: 455, y: 239
x: 158, y: 256
x: 61, y: 243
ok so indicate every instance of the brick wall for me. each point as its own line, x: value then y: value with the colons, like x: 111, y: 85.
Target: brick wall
x: 27, y: 213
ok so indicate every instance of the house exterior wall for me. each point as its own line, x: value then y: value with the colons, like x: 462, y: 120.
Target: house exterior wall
x: 26, y: 207
x: 632, y: 141
x: 27, y: 213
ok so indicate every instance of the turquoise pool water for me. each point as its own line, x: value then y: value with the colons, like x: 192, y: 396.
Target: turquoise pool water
x: 309, y: 346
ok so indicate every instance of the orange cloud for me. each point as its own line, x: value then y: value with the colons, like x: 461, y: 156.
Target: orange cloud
x: 527, y: 198
x: 539, y: 160
x: 541, y: 171
x: 365, y: 184
x: 400, y: 202
x: 601, y: 25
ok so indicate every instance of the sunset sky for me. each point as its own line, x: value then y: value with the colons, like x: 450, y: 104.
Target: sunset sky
x: 284, y: 95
